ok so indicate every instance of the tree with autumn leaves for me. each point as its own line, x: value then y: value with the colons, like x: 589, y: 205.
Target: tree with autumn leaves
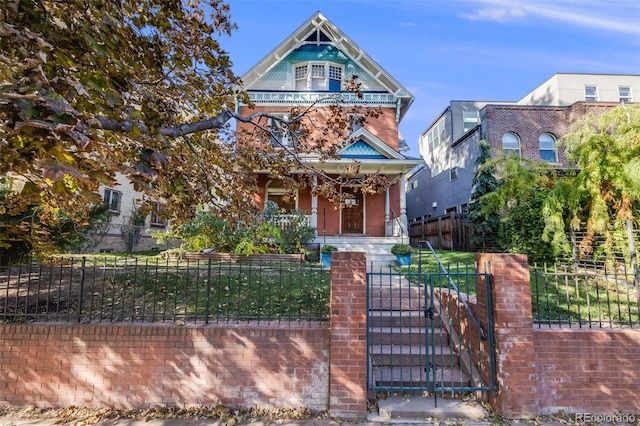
x: 141, y: 88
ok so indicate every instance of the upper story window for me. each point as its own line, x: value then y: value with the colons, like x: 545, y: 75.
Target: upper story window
x: 511, y: 144
x: 470, y: 119
x: 625, y: 94
x: 318, y: 76
x: 453, y: 170
x: 436, y: 136
x: 113, y: 199
x: 591, y: 93
x: 279, y: 132
x: 548, y: 148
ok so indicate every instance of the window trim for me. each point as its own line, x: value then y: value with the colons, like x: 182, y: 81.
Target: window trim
x: 470, y: 120
x: 591, y: 97
x: 628, y: 97
x: 453, y: 169
x: 279, y: 190
x: 554, y: 141
x: 517, y: 150
x: 328, y: 76
x: 155, y: 220
x: 108, y: 193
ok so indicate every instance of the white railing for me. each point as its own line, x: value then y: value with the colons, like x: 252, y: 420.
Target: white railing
x: 284, y: 220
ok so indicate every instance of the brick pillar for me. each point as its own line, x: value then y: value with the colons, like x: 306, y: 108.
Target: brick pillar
x: 516, y: 395
x: 348, y: 328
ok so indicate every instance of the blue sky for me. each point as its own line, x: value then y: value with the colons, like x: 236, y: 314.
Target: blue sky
x: 443, y: 50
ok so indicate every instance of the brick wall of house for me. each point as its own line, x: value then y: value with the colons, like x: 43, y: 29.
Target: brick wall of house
x: 588, y: 370
x: 136, y: 366
x: 384, y: 126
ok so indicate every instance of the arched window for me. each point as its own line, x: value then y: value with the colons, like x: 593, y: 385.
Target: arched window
x: 511, y: 144
x: 548, y: 148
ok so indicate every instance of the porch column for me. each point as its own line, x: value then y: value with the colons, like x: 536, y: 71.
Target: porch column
x: 388, y: 226
x: 404, y: 222
x: 313, y: 220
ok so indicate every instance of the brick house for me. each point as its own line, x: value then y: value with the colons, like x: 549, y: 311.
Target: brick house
x: 530, y: 127
x: 312, y: 64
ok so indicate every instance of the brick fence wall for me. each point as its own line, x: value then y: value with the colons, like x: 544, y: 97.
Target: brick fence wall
x: 545, y: 370
x: 137, y: 366
x: 588, y: 370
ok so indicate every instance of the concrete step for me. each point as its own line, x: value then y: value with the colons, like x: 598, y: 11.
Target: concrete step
x: 386, y: 318
x: 404, y: 355
x: 418, y: 407
x: 418, y: 377
x: 407, y: 336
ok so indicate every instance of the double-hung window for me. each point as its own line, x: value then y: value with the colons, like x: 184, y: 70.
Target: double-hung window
x: 625, y: 94
x: 511, y: 144
x: 453, y: 170
x: 157, y: 220
x: 548, y: 148
x: 113, y: 199
x: 279, y: 132
x: 591, y: 93
x: 318, y: 76
x: 470, y: 119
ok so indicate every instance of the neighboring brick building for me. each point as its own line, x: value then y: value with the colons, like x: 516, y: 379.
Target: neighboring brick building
x: 530, y: 127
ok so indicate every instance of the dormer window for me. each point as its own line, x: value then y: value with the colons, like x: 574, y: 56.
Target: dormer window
x: 318, y: 76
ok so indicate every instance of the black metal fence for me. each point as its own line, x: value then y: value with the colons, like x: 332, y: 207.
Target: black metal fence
x: 594, y: 298
x: 111, y: 289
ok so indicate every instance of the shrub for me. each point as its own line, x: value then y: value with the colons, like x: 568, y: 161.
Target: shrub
x: 401, y: 249
x: 328, y: 248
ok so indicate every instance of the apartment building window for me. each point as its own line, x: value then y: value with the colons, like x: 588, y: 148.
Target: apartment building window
x: 453, y: 170
x: 113, y: 199
x: 591, y: 93
x: 436, y: 136
x: 318, y: 76
x: 411, y: 185
x: 511, y: 144
x: 470, y: 119
x: 157, y: 219
x: 625, y: 94
x: 548, y: 148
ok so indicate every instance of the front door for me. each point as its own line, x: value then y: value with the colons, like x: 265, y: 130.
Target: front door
x: 353, y: 213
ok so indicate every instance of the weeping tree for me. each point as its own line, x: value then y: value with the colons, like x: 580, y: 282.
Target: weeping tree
x: 141, y: 88
x: 604, y: 195
x: 600, y: 190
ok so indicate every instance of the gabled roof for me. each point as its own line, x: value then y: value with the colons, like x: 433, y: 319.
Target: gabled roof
x: 367, y: 145
x: 344, y: 44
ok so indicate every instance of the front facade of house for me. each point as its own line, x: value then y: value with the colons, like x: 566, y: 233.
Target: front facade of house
x: 313, y: 66
x: 530, y: 128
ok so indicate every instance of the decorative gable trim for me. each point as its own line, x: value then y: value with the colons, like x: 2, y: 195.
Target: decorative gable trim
x: 319, y: 24
x: 367, y: 145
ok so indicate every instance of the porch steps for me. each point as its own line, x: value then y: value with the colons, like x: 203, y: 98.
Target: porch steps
x: 378, y: 249
x: 399, y: 335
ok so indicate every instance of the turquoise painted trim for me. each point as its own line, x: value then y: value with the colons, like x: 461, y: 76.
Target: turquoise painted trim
x: 361, y: 149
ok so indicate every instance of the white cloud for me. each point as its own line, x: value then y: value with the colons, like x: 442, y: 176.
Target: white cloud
x: 618, y: 16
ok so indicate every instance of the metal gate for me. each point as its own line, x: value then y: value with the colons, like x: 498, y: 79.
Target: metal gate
x: 426, y: 332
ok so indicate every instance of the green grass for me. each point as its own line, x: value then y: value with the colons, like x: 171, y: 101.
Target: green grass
x: 575, y: 298
x: 288, y: 291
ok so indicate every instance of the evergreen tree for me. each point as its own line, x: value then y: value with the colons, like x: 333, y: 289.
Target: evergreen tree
x: 485, y: 223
